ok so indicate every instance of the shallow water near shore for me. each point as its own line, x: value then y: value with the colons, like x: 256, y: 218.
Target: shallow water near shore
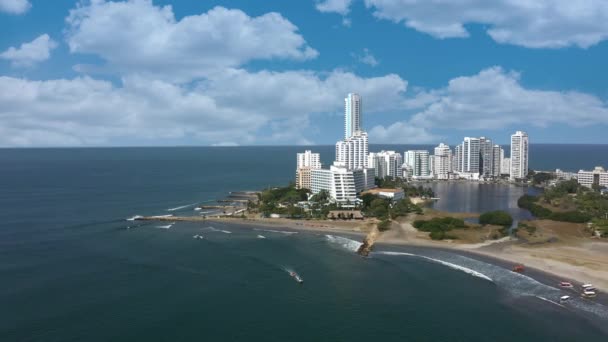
x: 74, y: 269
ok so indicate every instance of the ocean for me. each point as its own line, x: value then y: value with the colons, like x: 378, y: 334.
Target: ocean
x: 73, y: 269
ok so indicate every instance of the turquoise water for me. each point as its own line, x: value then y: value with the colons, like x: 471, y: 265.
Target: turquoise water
x: 73, y: 269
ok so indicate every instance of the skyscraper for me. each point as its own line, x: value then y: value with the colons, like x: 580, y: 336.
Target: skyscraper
x: 470, y: 155
x: 499, y: 154
x: 386, y: 163
x: 418, y: 161
x: 353, y: 151
x: 352, y: 115
x: 519, y: 155
x: 307, y: 162
x: 486, y: 157
x: 442, y: 161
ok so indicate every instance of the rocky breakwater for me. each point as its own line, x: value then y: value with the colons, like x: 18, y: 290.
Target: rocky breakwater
x: 368, y: 242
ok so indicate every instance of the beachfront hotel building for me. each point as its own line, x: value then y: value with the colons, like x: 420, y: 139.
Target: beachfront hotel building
x: 385, y: 164
x: 341, y: 184
x: 352, y: 115
x: 597, y: 177
x: 519, y: 155
x: 306, y: 162
x: 442, y: 161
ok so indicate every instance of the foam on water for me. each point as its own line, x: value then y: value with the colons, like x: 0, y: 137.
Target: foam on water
x: 261, y: 237
x: 445, y: 263
x: 213, y: 229
x: 343, y: 242
x: 181, y: 207
x: 550, y: 301
x: 275, y: 231
x: 166, y: 227
x: 134, y: 218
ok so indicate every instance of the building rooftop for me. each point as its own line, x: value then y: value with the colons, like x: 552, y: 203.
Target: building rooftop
x: 377, y: 190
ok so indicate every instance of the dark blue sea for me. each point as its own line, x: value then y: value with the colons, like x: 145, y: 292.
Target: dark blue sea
x: 73, y: 269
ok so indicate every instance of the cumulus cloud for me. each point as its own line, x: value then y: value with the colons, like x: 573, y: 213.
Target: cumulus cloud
x: 15, y: 6
x: 337, y: 6
x: 494, y: 99
x: 236, y: 104
x: 367, y: 58
x: 28, y: 54
x: 401, y: 132
x: 533, y: 24
x: 138, y: 37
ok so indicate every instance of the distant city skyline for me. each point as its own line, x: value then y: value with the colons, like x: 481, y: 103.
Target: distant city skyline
x: 110, y: 73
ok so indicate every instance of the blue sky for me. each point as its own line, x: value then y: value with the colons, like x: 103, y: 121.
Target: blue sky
x: 141, y: 72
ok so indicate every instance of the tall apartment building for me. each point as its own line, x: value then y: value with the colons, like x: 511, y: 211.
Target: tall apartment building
x: 352, y: 114
x: 307, y: 162
x: 597, y: 177
x: 418, y: 161
x: 353, y: 151
x: 498, y: 154
x: 442, y: 161
x: 386, y: 163
x: 309, y: 159
x: 470, y: 160
x: 486, y: 157
x: 519, y: 155
x: 457, y: 159
x: 505, y: 167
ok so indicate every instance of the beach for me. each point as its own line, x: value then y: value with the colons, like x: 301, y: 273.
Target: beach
x: 581, y: 260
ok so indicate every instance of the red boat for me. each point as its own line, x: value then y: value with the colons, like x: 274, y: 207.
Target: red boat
x: 566, y: 284
x: 518, y: 268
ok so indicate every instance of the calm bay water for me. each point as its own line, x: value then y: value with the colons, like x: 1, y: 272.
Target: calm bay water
x: 73, y: 269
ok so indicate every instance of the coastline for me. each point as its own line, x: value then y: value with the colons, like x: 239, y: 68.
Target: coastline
x: 503, y: 253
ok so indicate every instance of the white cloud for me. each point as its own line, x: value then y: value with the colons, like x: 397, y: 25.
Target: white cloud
x: 248, y: 108
x: 338, y: 6
x: 495, y: 99
x: 28, y: 54
x: 138, y: 37
x: 15, y: 6
x: 533, y: 24
x: 367, y: 58
x: 401, y: 132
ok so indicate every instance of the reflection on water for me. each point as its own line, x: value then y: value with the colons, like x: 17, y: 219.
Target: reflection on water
x: 474, y: 197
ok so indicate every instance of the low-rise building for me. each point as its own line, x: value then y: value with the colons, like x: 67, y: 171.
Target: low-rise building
x: 341, y: 184
x: 392, y: 194
x: 597, y: 177
x: 564, y: 175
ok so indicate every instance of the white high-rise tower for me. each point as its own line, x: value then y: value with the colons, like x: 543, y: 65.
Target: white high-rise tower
x: 352, y: 115
x: 519, y: 155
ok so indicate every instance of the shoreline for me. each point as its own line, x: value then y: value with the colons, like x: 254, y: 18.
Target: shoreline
x: 503, y: 253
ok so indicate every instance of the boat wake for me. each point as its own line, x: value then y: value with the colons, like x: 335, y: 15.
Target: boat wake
x: 261, y: 237
x: 275, y: 231
x: 218, y: 230
x: 182, y: 207
x: 166, y: 227
x: 444, y: 263
x: 343, y: 242
x: 550, y: 301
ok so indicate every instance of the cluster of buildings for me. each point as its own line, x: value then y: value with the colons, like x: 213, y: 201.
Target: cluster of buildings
x: 355, y: 168
x: 597, y: 177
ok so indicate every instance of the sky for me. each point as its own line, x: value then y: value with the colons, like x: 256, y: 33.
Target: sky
x: 275, y: 72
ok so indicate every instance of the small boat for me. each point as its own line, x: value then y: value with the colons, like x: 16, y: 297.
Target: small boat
x: 518, y: 268
x: 589, y: 294
x: 564, y: 298
x: 566, y: 284
x: 586, y: 286
x: 295, y: 276
x: 198, y: 236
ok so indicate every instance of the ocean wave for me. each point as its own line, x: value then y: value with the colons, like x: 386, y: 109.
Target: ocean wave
x: 218, y: 230
x: 275, y: 231
x: 444, y: 263
x: 134, y: 218
x: 261, y: 237
x: 346, y: 243
x: 166, y: 227
x: 182, y: 207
